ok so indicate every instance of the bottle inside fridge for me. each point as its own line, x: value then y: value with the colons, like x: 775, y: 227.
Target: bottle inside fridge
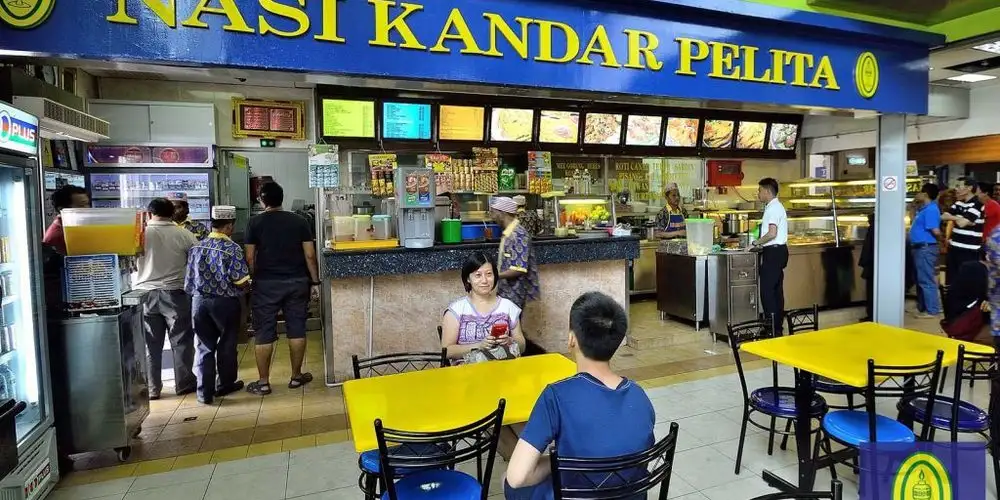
x: 136, y: 190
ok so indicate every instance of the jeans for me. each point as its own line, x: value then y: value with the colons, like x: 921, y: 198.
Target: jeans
x: 925, y: 259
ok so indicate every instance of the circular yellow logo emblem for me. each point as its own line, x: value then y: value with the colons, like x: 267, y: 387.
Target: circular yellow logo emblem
x: 866, y: 75
x: 25, y: 14
x: 922, y: 477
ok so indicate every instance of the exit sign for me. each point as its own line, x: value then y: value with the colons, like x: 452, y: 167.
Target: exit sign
x: 268, y: 143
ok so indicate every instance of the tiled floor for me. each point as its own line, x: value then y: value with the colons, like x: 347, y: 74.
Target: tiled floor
x: 704, y: 463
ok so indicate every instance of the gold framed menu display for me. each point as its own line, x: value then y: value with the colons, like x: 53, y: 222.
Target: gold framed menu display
x: 461, y: 123
x: 347, y: 118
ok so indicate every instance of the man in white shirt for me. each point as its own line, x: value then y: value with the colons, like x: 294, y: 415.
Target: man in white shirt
x: 167, y: 307
x: 773, y: 247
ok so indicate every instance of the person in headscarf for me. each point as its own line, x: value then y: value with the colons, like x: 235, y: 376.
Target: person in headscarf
x: 670, y: 220
x: 182, y: 215
x: 518, y: 279
x: 528, y: 218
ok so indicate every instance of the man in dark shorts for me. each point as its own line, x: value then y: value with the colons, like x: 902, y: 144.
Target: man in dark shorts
x: 281, y: 252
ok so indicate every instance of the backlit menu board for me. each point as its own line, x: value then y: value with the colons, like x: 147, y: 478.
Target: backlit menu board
x: 602, y: 128
x: 512, y: 125
x: 405, y: 120
x: 718, y: 133
x: 343, y: 118
x: 461, y: 123
x: 682, y: 132
x: 559, y: 127
x: 783, y: 136
x: 751, y: 135
x: 643, y: 130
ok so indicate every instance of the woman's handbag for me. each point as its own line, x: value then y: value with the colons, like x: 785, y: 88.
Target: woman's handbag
x: 509, y: 351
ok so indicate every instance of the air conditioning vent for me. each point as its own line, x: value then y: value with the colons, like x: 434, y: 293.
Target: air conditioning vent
x: 62, y: 122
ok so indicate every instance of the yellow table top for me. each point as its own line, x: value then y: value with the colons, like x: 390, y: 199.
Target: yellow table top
x: 842, y: 353
x: 445, y: 398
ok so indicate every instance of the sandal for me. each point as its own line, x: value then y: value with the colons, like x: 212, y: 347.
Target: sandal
x: 300, y: 381
x: 258, y: 389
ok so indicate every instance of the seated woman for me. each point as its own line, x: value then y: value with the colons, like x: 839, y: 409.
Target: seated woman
x: 468, y: 323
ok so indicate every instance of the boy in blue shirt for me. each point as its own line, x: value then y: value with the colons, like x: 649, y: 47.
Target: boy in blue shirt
x: 593, y: 414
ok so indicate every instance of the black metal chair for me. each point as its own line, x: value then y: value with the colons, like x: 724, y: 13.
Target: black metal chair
x: 853, y: 428
x: 956, y: 416
x: 616, y: 478
x: 419, y: 471
x: 389, y: 364
x: 836, y: 493
x: 773, y: 401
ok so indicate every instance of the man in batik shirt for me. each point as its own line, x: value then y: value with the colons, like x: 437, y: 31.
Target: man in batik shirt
x: 516, y: 258
x: 217, y: 275
x: 182, y: 215
x: 528, y: 218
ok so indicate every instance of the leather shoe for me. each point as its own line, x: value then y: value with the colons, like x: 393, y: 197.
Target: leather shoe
x: 234, y: 387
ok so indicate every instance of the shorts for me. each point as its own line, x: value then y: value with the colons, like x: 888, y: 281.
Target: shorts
x: 269, y: 297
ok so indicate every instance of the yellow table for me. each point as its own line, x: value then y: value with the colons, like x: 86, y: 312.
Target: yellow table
x: 445, y: 398
x: 842, y: 353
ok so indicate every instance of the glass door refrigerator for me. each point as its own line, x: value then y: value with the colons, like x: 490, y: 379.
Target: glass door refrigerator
x: 131, y: 176
x: 24, y: 368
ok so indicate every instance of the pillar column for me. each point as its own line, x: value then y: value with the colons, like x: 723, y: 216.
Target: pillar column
x: 890, y: 211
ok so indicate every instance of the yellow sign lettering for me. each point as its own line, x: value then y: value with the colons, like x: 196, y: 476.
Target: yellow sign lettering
x: 330, y: 22
x: 384, y: 27
x: 545, y: 29
x: 749, y: 58
x: 642, y: 45
x: 824, y: 71
x: 778, y: 66
x: 691, y: 50
x: 600, y: 44
x: 799, y: 62
x: 167, y: 12
x: 518, y: 42
x: 723, y: 56
x: 226, y: 8
x: 298, y: 16
x: 462, y: 33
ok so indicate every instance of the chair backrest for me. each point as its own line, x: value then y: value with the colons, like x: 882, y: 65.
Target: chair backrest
x: 750, y: 331
x: 903, y: 382
x: 972, y: 366
x: 390, y: 364
x: 618, y: 477
x: 802, y: 320
x: 836, y: 493
x: 398, y: 449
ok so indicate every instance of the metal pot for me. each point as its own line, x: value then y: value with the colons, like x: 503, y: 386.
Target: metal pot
x: 650, y: 232
x: 364, y: 210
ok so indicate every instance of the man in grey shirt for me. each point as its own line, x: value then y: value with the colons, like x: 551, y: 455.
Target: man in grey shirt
x: 166, y: 308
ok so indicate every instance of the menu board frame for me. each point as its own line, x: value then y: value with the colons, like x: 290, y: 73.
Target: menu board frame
x: 489, y: 103
x: 380, y: 120
x: 335, y: 138
x: 736, y: 134
x: 579, y: 125
x: 297, y: 108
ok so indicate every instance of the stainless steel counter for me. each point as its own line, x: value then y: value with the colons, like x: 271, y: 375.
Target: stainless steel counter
x: 823, y: 274
x: 681, y: 286
x: 644, y: 269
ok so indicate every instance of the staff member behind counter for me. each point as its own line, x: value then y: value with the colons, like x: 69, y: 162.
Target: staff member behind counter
x: 670, y: 220
x: 773, y: 248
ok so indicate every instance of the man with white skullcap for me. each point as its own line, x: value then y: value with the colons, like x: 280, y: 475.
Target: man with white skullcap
x: 528, y: 218
x: 217, y: 276
x: 516, y: 258
x: 182, y: 215
x: 166, y: 308
x: 670, y: 220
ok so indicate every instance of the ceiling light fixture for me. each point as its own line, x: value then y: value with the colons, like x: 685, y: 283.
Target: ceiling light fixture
x: 971, y: 78
x: 992, y: 47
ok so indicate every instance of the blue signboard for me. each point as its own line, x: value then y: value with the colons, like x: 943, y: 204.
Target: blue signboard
x: 671, y: 48
x: 406, y: 121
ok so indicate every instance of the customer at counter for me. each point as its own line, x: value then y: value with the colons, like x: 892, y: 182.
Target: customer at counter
x: 991, y: 210
x: 518, y: 278
x: 670, y: 220
x: 773, y: 247
x: 925, y: 232
x: 469, y: 322
x: 68, y: 196
x: 966, y: 239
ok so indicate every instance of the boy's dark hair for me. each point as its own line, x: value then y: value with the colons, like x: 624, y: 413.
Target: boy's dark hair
x: 931, y: 190
x: 472, y: 264
x: 770, y: 184
x: 63, y: 197
x: 161, y: 207
x: 221, y: 223
x: 272, y: 195
x: 599, y: 324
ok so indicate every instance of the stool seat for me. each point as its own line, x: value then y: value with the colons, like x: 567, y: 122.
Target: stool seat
x: 780, y: 402
x: 851, y: 428
x: 369, y: 461
x: 970, y: 417
x: 437, y: 485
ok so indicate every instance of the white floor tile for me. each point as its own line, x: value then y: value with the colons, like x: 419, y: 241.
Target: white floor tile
x: 755, y: 457
x: 749, y: 487
x: 321, y: 475
x: 343, y: 451
x: 172, y: 478
x: 710, y: 428
x: 704, y: 467
x: 187, y: 491
x: 678, y: 488
x: 341, y: 494
x: 260, y: 484
x: 97, y: 490
x: 685, y: 441
x: 692, y: 496
x: 248, y: 465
